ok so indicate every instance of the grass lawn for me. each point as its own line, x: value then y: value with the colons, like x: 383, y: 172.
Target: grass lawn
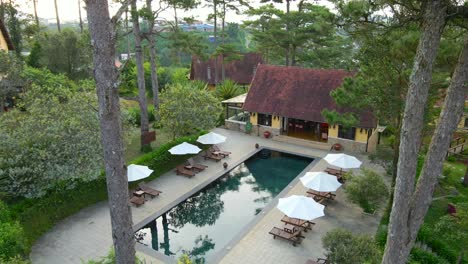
x: 132, y: 148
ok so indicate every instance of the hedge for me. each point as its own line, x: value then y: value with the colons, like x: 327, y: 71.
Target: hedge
x: 38, y: 215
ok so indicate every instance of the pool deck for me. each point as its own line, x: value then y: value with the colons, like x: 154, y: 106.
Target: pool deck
x: 87, y: 234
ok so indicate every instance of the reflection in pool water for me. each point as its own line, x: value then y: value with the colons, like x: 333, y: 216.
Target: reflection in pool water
x: 205, y: 223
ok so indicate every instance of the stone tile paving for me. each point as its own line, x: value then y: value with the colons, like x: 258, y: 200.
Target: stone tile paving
x: 260, y: 247
x: 87, y: 234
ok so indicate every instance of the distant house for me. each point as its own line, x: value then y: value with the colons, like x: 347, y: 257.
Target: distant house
x: 240, y: 71
x: 288, y: 101
x: 5, y: 41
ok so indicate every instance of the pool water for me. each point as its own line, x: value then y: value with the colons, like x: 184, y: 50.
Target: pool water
x: 205, y: 223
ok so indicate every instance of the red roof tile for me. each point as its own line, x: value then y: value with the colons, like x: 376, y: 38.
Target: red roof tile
x: 297, y: 93
x: 240, y: 71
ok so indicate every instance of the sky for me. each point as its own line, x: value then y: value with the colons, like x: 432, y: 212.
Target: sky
x: 68, y: 10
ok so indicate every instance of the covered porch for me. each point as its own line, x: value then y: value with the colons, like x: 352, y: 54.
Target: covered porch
x: 304, y: 129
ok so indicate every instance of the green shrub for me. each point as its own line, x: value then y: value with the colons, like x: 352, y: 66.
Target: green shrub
x: 422, y: 257
x: 381, y: 235
x: 342, y: 247
x: 133, y: 115
x: 427, y: 236
x: 14, y: 260
x: 12, y: 240
x: 367, y: 190
x: 451, y: 158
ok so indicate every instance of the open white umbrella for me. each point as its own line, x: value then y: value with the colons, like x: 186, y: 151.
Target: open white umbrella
x: 184, y: 148
x: 137, y: 172
x: 300, y: 207
x: 320, y: 181
x: 343, y: 161
x: 211, y: 138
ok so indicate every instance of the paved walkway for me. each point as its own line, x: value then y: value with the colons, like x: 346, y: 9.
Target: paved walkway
x: 87, y: 234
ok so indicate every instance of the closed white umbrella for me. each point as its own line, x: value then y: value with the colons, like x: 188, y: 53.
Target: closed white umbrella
x: 343, y: 161
x: 211, y: 138
x: 300, y: 207
x: 320, y: 181
x: 137, y: 172
x: 184, y: 148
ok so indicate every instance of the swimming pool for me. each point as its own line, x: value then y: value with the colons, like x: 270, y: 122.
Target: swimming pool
x: 207, y: 221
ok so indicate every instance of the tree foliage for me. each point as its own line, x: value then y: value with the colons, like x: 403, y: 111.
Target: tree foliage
x: 309, y: 36
x: 342, y: 247
x: 55, y: 137
x: 185, y: 109
x: 65, y: 52
x: 368, y: 190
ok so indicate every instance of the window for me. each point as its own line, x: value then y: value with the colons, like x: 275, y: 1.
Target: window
x: 264, y: 119
x: 347, y: 133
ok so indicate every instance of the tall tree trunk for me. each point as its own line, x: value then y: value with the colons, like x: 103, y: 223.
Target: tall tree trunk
x: 288, y: 49
x: 144, y: 126
x: 106, y: 77
x: 293, y: 55
x: 176, y: 29
x: 2, y: 10
x: 35, y: 12
x: 79, y: 14
x: 215, y: 4
x: 400, y: 235
x: 154, y: 71
x: 128, y: 35
x: 223, y: 69
x: 57, y: 15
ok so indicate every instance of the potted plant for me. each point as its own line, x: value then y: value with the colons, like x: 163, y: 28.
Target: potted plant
x: 266, y: 134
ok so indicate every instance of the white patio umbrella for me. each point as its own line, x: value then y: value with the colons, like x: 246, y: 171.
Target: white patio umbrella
x: 343, y: 161
x: 320, y: 181
x: 184, y: 148
x: 211, y: 138
x: 300, y: 207
x: 137, y: 172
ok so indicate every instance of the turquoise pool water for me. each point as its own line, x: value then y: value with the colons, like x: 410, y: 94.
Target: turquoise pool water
x: 205, y: 223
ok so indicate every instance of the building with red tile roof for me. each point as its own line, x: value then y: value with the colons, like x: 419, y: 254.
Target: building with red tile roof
x: 289, y: 101
x: 240, y: 71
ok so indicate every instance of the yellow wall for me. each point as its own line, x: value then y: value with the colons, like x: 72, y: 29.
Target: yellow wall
x: 361, y: 136
x: 333, y: 131
x: 276, y: 122
x: 253, y: 118
x: 3, y: 43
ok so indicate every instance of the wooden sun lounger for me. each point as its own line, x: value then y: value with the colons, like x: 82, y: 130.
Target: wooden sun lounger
x: 327, y: 195
x: 148, y: 190
x: 208, y: 155
x: 294, y: 237
x: 298, y: 223
x: 137, y: 201
x: 181, y: 170
x: 316, y: 198
x: 338, y: 173
x: 221, y: 152
x: 195, y: 166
